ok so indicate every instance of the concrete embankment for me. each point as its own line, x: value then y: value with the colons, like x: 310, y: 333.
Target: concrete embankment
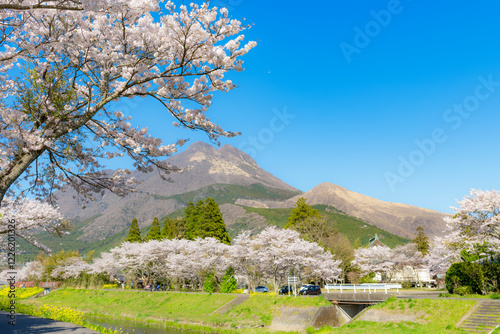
x: 300, y: 318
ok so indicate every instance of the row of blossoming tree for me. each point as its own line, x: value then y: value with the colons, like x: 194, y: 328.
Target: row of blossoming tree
x: 272, y: 255
x: 472, y: 234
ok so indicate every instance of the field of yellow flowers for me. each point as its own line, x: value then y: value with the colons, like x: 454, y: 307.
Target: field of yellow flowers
x: 60, y: 313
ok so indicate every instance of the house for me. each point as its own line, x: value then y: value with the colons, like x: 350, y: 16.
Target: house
x: 375, y: 241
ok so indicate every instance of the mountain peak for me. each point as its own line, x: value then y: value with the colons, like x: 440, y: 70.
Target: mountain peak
x: 201, y: 146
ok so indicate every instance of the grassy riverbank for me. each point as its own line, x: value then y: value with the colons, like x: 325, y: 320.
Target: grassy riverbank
x: 419, y: 316
x: 176, y: 310
x: 195, y: 311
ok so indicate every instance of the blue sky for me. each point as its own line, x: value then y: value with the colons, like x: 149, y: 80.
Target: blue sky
x: 397, y: 100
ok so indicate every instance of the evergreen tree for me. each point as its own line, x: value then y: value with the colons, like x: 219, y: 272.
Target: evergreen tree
x: 229, y: 283
x: 212, y: 223
x: 180, y: 228
x: 192, y: 216
x: 174, y: 228
x: 205, y: 220
x: 154, y: 232
x: 422, y: 241
x: 301, y: 212
x: 134, y: 234
x: 168, y: 231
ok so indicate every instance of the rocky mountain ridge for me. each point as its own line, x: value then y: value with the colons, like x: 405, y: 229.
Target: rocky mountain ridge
x: 397, y: 218
x: 211, y: 171
x: 204, y: 165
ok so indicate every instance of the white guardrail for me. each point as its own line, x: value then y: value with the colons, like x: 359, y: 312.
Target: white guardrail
x: 363, y: 287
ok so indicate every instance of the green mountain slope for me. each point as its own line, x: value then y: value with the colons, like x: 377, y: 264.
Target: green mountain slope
x: 353, y: 228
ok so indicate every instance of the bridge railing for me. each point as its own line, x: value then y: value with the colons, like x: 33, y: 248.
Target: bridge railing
x: 364, y: 287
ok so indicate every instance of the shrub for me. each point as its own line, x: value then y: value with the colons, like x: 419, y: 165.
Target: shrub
x: 228, y: 281
x: 463, y: 290
x: 406, y: 285
x: 465, y: 274
x: 368, y: 278
x: 492, y: 276
x: 210, y: 284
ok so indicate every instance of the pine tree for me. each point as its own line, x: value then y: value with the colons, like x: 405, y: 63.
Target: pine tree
x: 422, y: 241
x: 192, y: 216
x: 154, y: 232
x: 301, y: 212
x: 134, y: 233
x: 168, y: 230
x: 212, y: 223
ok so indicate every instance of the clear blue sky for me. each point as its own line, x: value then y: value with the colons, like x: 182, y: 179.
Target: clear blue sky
x: 362, y: 92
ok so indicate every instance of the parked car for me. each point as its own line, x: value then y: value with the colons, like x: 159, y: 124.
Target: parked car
x: 311, y: 290
x: 284, y: 290
x: 304, y: 287
x: 262, y: 289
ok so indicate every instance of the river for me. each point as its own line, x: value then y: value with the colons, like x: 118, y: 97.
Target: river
x: 132, y: 327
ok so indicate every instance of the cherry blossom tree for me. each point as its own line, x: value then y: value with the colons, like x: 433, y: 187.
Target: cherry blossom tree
x: 70, y: 267
x: 440, y: 256
x: 376, y: 259
x: 409, y: 257
x: 30, y: 271
x: 476, y: 223
x: 76, y: 59
x: 272, y: 254
x: 24, y: 217
x: 275, y: 243
x: 105, y: 264
x: 246, y: 256
x: 275, y: 253
x: 76, y: 63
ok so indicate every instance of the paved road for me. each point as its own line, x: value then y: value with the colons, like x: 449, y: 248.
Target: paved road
x: 26, y: 324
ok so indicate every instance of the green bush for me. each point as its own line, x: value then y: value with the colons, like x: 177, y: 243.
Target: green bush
x: 228, y: 281
x: 406, y: 285
x: 368, y: 278
x: 491, y: 272
x: 463, y: 290
x: 462, y: 274
x: 210, y: 284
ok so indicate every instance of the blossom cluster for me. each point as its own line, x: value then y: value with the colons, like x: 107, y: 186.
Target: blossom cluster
x: 77, y: 58
x: 273, y: 254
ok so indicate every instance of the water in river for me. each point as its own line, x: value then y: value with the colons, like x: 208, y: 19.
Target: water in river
x: 132, y: 327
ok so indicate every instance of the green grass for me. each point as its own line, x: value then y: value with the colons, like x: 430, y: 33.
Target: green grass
x: 431, y: 316
x: 474, y: 295
x: 175, y: 308
x: 191, y: 311
x: 259, y: 309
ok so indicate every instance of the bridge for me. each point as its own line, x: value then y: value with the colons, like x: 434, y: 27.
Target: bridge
x: 352, y: 299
